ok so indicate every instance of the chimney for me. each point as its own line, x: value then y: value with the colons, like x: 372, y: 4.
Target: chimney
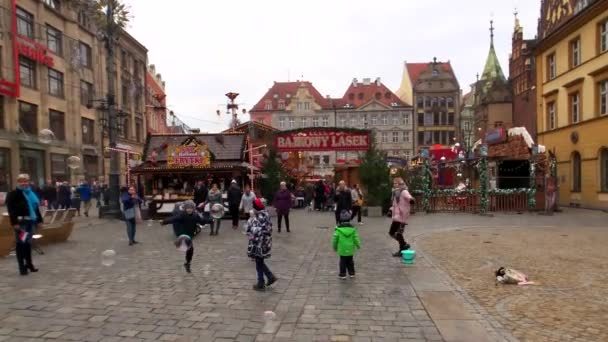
x: 367, y: 81
x: 378, y: 83
x: 354, y: 82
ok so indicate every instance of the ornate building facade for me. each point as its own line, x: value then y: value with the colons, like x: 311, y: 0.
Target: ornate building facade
x: 572, y: 97
x: 434, y: 92
x: 156, y: 102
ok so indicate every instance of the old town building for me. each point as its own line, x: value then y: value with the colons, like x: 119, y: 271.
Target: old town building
x: 434, y: 92
x: 522, y: 76
x: 367, y: 105
x: 53, y: 76
x: 572, y: 97
x: 156, y: 102
x: 467, y: 120
x: 493, y: 98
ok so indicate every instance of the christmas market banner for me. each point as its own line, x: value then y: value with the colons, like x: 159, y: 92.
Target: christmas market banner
x: 322, y: 139
x: 189, y: 155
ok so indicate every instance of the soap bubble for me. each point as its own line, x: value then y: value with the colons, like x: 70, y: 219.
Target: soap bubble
x: 149, y: 223
x: 270, y: 326
x: 74, y: 162
x: 107, y: 257
x: 183, y: 242
x: 217, y: 211
x: 36, y: 236
x: 46, y: 136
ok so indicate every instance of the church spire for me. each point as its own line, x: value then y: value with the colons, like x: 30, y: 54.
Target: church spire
x: 517, y: 25
x: 491, y: 32
x: 492, y: 72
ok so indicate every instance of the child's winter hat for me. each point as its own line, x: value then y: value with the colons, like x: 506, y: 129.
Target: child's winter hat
x: 345, y: 216
x: 258, y: 204
x: 189, y: 204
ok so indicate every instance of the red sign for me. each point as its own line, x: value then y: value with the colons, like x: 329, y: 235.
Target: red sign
x: 36, y: 53
x: 322, y: 140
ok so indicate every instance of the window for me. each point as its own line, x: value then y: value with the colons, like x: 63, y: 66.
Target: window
x: 86, y: 92
x: 406, y: 120
x: 420, y: 102
x: 268, y: 105
x: 442, y: 102
x: 306, y: 105
x: 575, y: 53
x: 88, y: 131
x: 604, y: 169
x: 342, y: 122
x: 325, y: 160
x: 282, y: 123
x: 444, y: 118
x: 59, y: 170
x: 85, y: 55
x: 292, y: 122
x: 444, y: 138
x: 575, y: 107
x: 374, y: 120
x: 396, y: 119
x: 299, y: 106
x: 124, y: 59
x: 28, y: 117
x: 138, y: 130
x: 384, y: 137
x: 316, y: 159
x: 90, y: 166
x: 420, y: 119
x: 450, y: 119
x: 281, y: 105
x: 428, y: 119
x: 450, y: 102
x: 420, y: 138
x: 428, y: 138
x: 427, y: 101
x: 467, y: 126
x: 451, y: 136
x: 27, y: 72
x: 551, y: 115
x: 304, y: 122
x: 576, y: 172
x: 54, y: 4
x: 54, y: 40
x: 434, y: 102
x: 57, y: 124
x: 126, y: 129
x: 604, y: 36
x: 384, y: 119
x: 315, y: 121
x: 25, y: 23
x: 395, y: 137
x: 125, y: 93
x: 604, y: 97
x: 436, y: 137
x: 55, y: 83
x: 325, y: 121
x: 551, y: 66
x: 83, y: 18
x: 341, y: 156
x: 406, y: 137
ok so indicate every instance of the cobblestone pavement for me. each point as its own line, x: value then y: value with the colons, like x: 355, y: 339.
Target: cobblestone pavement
x: 565, y: 253
x: 146, y: 295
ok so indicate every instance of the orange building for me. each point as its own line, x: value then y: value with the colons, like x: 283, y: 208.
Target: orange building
x: 156, y: 102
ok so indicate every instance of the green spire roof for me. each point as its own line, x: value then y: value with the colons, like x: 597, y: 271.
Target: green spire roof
x: 492, y: 71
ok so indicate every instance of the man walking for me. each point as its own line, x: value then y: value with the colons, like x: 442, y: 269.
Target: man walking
x: 343, y: 200
x: 200, y: 194
x: 84, y: 190
x: 234, y: 199
x: 401, y: 212
x: 49, y: 194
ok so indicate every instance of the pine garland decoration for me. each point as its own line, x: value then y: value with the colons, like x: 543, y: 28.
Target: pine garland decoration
x: 483, y: 179
x: 426, y: 186
x: 532, y: 192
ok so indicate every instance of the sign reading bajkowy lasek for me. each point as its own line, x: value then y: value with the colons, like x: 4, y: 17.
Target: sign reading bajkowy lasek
x: 189, y: 156
x: 317, y: 139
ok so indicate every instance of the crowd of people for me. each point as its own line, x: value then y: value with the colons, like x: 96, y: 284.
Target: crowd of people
x: 24, y: 202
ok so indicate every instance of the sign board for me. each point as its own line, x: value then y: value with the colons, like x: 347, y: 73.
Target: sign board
x: 496, y: 136
x: 189, y: 156
x: 322, y: 140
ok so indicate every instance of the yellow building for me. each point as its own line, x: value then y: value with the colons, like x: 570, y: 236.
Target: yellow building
x: 572, y: 97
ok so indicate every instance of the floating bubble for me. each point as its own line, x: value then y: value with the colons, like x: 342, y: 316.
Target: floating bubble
x: 183, y: 242
x: 74, y: 162
x: 107, y: 257
x: 270, y: 326
x: 36, y: 236
x: 217, y: 211
x: 46, y: 136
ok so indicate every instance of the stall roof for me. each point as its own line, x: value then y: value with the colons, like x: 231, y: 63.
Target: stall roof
x: 223, y: 146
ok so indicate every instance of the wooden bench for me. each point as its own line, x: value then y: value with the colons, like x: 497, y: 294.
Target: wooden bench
x: 7, y: 236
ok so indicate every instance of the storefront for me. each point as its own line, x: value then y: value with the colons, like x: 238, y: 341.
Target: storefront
x: 33, y: 163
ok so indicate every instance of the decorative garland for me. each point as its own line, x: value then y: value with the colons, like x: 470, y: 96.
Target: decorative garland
x: 532, y: 192
x: 426, y: 185
x: 483, y: 180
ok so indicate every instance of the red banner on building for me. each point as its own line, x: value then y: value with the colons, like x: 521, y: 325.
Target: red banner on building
x: 322, y: 140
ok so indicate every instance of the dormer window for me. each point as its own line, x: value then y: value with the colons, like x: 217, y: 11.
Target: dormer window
x: 361, y: 96
x: 268, y: 105
x: 435, y: 73
x: 281, y: 105
x: 351, y: 96
x: 387, y: 96
x: 378, y: 96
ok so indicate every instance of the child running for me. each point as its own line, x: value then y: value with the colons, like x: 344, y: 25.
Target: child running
x: 186, y: 222
x: 259, y: 232
x: 346, y: 240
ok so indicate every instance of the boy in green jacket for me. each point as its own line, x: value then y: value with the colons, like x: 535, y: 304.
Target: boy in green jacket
x: 346, y: 239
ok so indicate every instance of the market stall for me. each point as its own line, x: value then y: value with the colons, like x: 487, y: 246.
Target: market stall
x: 173, y: 163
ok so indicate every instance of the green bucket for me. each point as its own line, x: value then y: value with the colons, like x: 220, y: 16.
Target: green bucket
x: 408, y: 256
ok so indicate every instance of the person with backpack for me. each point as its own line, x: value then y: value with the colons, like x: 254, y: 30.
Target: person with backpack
x: 402, y: 201
x: 259, y: 233
x: 345, y: 242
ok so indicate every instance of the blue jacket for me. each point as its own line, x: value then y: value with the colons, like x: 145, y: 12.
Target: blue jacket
x: 85, y: 192
x: 129, y: 202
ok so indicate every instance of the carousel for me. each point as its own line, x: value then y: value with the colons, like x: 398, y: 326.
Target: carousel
x: 174, y: 163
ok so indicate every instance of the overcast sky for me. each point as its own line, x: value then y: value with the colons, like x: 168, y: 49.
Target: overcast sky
x: 204, y: 49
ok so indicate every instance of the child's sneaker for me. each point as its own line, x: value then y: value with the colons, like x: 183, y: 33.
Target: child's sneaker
x: 352, y: 276
x: 272, y: 281
x: 187, y: 267
x: 259, y: 288
x: 343, y: 277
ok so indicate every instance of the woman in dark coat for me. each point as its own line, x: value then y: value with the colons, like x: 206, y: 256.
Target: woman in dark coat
x: 22, y: 205
x: 130, y: 200
x: 282, y: 203
x: 320, y: 196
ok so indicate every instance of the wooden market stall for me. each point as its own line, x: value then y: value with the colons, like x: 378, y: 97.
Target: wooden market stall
x: 173, y: 163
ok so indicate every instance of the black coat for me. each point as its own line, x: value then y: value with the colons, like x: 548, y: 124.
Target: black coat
x: 63, y: 194
x: 49, y: 193
x: 186, y: 223
x: 200, y: 195
x: 344, y: 200
x: 17, y: 206
x: 234, y: 196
